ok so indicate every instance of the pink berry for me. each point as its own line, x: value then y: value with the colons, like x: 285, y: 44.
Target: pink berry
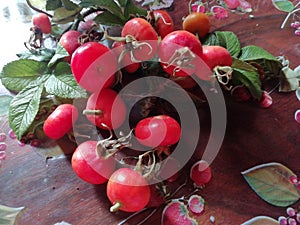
x: 295, y: 24
x: 297, y: 116
x: 294, y: 179
x: 2, y: 146
x: 266, y: 100
x: 196, y: 204
x: 290, y: 211
x: 12, y: 135
x: 282, y: 220
x: 201, y: 173
x: 2, y: 137
x: 292, y: 221
x: 297, y: 32
x: 2, y: 155
x: 198, y: 7
x: 298, y: 217
x: 219, y: 12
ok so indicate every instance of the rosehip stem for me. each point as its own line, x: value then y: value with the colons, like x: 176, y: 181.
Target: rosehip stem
x: 115, y: 207
x: 95, y: 112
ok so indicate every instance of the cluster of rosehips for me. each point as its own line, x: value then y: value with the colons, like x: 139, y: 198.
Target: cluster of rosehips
x: 95, y: 67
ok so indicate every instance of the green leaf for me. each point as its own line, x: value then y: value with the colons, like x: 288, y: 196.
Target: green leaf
x: 109, y: 19
x: 261, y: 220
x: 133, y: 9
x: 60, y: 53
x: 62, y: 68
x: 69, y: 5
x: 122, y: 2
x: 283, y: 5
x: 4, y: 104
x: 53, y: 4
x: 62, y: 15
x: 230, y: 41
x: 39, y: 4
x: 250, y: 79
x: 109, y: 5
x: 8, y: 215
x: 252, y: 52
x: 23, y: 68
x: 272, y: 183
x: 212, y: 39
x: 239, y: 64
x: 24, y: 107
x: 16, y: 84
x: 64, y: 86
x: 44, y: 55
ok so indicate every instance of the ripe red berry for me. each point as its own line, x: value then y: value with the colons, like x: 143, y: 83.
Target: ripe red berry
x: 42, y: 21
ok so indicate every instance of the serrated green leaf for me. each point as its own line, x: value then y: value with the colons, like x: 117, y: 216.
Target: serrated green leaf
x: 132, y: 9
x: 53, y: 4
x: 60, y: 53
x: 62, y: 68
x: 272, y: 183
x: 43, y: 55
x: 109, y: 5
x: 24, y: 107
x: 250, y: 79
x: 211, y: 39
x: 64, y: 86
x: 4, y: 103
x: 239, y: 64
x: 252, y: 52
x: 8, y: 215
x: 261, y: 220
x: 62, y: 15
x: 16, y: 84
x: 109, y: 19
x: 230, y: 41
x: 23, y: 68
x: 283, y: 5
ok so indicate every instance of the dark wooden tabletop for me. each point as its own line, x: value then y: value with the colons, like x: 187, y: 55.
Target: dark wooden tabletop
x: 51, y: 193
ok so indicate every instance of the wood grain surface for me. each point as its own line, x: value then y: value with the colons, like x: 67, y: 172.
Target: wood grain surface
x: 51, y: 193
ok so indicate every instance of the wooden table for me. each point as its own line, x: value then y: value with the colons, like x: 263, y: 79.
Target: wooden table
x: 51, y: 193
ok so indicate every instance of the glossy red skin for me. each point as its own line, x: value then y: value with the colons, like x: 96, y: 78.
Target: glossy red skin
x: 70, y: 41
x: 42, y: 21
x: 128, y: 188
x: 88, y: 166
x: 216, y: 56
x: 163, y: 22
x: 157, y: 131
x: 94, y: 66
x: 60, y: 121
x: 174, y: 41
x: 104, y: 101
x: 142, y: 31
x: 126, y: 61
x: 201, y: 173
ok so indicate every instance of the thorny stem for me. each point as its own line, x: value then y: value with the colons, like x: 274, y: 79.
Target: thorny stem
x: 289, y: 14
